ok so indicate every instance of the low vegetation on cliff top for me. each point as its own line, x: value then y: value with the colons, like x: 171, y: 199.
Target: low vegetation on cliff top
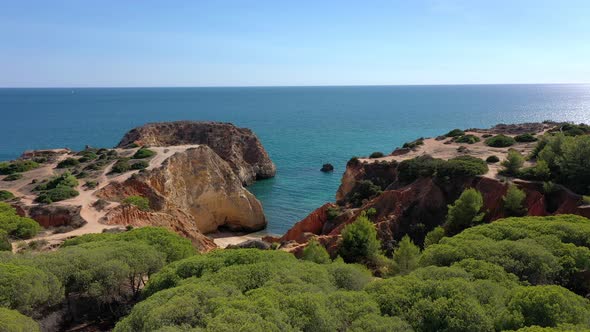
x: 508, y: 275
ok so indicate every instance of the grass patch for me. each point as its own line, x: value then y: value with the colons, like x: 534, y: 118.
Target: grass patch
x: 140, y: 202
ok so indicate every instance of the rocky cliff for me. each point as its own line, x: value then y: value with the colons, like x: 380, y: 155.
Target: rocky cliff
x: 417, y: 207
x: 238, y: 146
x: 195, y: 184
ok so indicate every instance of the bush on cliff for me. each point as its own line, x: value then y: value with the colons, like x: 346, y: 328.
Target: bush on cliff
x: 426, y: 166
x: 15, y: 226
x: 5, y: 195
x: 57, y: 194
x: 140, y: 202
x: 462, y: 166
x: 363, y: 190
x: 13, y: 177
x: 465, y: 212
x: 455, y: 133
x: 525, y: 138
x: 315, y: 252
x: 514, y: 202
x: 17, y: 166
x: 563, y: 159
x: 142, y: 164
x: 376, y: 155
x: 513, y: 163
x: 500, y: 141
x: 492, y: 159
x: 359, y: 241
x: 121, y: 166
x: 67, y: 163
x: 144, y: 153
x: 468, y: 139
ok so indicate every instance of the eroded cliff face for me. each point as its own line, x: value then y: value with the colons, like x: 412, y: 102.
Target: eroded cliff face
x: 418, y: 207
x: 194, y: 191
x: 238, y: 146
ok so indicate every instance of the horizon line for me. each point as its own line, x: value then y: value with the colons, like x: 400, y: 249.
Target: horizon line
x: 279, y: 86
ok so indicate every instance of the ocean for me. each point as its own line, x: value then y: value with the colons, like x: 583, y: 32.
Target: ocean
x: 300, y: 127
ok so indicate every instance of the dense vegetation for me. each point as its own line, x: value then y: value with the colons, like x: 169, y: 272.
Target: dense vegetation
x: 58, y: 188
x: 13, y: 226
x: 424, y: 166
x: 17, y: 166
x: 507, y: 275
x: 6, y: 195
x: 562, y: 159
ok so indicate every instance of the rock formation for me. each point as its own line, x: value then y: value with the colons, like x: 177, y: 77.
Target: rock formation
x: 195, y: 184
x: 238, y: 146
x: 327, y: 168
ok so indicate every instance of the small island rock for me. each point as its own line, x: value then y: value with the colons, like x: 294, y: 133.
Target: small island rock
x: 327, y: 168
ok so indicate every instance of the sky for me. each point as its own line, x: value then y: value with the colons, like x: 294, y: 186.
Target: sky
x: 123, y: 43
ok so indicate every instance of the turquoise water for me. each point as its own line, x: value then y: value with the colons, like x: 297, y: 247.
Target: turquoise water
x: 301, y: 127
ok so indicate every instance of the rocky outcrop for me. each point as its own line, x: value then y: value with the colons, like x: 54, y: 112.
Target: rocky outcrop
x: 327, y: 168
x: 55, y: 215
x: 420, y: 206
x: 196, y: 187
x: 175, y: 220
x: 238, y: 146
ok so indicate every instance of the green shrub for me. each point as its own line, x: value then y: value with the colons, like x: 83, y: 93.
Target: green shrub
x: 332, y: 213
x: 549, y: 305
x: 359, y: 241
x: 376, y: 155
x: 423, y: 166
x: 68, y: 163
x: 64, y: 180
x: 315, y: 252
x: 468, y: 139
x: 455, y: 133
x: 492, y: 159
x: 57, y: 194
x: 5, y: 244
x: 140, y: 202
x: 426, y: 166
x: 91, y: 184
x: 500, y: 141
x: 513, y: 163
x: 15, y: 226
x: 525, y: 138
x: 586, y: 200
x: 513, y: 201
x: 142, y: 164
x: 13, y: 177
x: 406, y: 256
x: 18, y: 166
x: 465, y: 212
x: 462, y: 166
x: 143, y: 153
x: 413, y: 144
x: 121, y: 166
x: 434, y: 236
x: 87, y: 155
x: 14, y: 321
x: 364, y: 189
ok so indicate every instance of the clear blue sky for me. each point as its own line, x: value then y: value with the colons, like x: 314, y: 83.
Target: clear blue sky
x: 276, y: 42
